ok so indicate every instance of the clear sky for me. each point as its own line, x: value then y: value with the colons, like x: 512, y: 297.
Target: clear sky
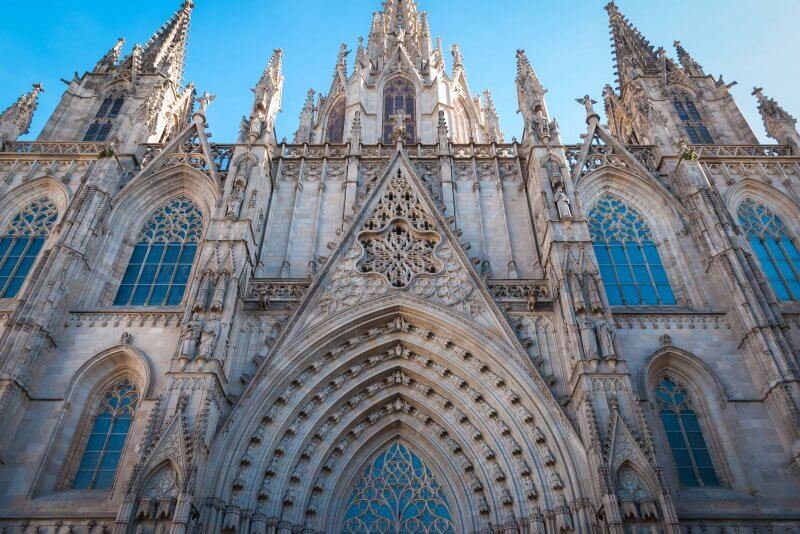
x: 754, y: 43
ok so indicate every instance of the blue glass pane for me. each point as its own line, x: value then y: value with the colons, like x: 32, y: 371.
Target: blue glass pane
x: 165, y: 274
x: 123, y: 295
x: 148, y: 274
x: 172, y: 253
x: 687, y: 477
x: 131, y: 273
x: 614, y: 294
x: 630, y: 294
x: 187, y: 256
x: 182, y: 274
x: 649, y: 295
x: 139, y: 252
x: 36, y: 245
x: 156, y: 251
x: 666, y: 295
x: 140, y: 295
x: 641, y: 275
x: 96, y: 442
x: 175, y: 295
x: 709, y: 477
x: 13, y: 287
x: 601, y: 252
x: 89, y: 460
x: 104, y: 479
x: 83, y: 479
x: 159, y: 295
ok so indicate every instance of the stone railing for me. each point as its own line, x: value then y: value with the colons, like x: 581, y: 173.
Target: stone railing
x: 505, y: 150
x: 46, y: 147
x: 285, y: 290
x: 527, y: 291
x: 742, y: 151
x: 603, y: 155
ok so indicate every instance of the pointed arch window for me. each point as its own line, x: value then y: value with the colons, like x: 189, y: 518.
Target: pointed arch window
x: 463, y: 123
x: 335, y: 129
x: 104, y: 118
x: 110, y: 428
x: 162, y: 258
x: 776, y: 251
x: 399, y: 494
x: 22, y: 242
x: 684, y: 435
x: 399, y: 96
x: 691, y: 119
x: 627, y: 255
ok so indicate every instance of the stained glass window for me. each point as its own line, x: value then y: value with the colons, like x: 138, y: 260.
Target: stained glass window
x: 399, y: 96
x: 336, y: 122
x: 627, y: 255
x: 398, y: 494
x: 22, y: 241
x: 692, y: 121
x: 684, y: 435
x: 162, y: 258
x: 109, y: 432
x: 101, y: 126
x: 776, y: 251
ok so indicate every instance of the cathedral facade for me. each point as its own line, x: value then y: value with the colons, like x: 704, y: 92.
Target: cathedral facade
x: 400, y: 321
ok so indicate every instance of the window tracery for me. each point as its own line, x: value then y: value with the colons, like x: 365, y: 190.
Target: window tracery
x: 627, y: 255
x: 399, y: 97
x: 335, y: 128
x: 104, y: 118
x: 399, y: 238
x: 162, y: 258
x: 684, y: 435
x: 691, y: 119
x: 398, y: 493
x: 22, y: 241
x: 776, y: 251
x: 110, y: 429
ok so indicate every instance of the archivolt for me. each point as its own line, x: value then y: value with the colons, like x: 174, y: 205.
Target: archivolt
x: 386, y: 374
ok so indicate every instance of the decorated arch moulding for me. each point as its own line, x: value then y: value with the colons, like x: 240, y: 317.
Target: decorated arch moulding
x: 299, y: 382
x: 19, y: 197
x: 775, y: 199
x: 475, y: 339
x: 385, y: 381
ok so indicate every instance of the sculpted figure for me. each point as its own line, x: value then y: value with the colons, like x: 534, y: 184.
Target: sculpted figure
x: 562, y: 205
x: 588, y: 338
x: 189, y: 336
x: 606, y: 334
x: 208, y: 341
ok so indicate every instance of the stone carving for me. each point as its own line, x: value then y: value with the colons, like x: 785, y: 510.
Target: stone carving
x: 190, y: 335
x: 208, y: 339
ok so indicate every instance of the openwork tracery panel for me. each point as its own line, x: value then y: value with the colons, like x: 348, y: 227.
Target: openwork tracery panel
x: 162, y: 257
x: 110, y: 428
x: 399, y: 238
x: 398, y: 494
x: 775, y: 249
x: 22, y: 242
x: 684, y: 435
x: 627, y: 255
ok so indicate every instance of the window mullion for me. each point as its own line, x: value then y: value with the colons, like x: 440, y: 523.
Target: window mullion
x: 775, y: 265
x: 614, y: 270
x: 794, y: 268
x: 653, y: 284
x: 139, y: 274
x: 632, y: 272
x: 102, y: 452
x: 689, y: 450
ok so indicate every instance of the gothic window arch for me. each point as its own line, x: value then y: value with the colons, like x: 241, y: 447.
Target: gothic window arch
x: 335, y: 127
x: 398, y: 493
x: 776, y: 251
x: 691, y: 119
x: 399, y: 96
x: 103, y: 121
x: 22, y: 242
x: 463, y: 123
x: 685, y: 439
x: 627, y: 255
x: 162, y: 258
x: 110, y: 427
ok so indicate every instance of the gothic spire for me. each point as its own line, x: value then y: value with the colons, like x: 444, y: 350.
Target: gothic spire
x: 305, y: 128
x: 267, y: 102
x: 688, y: 63
x: 530, y: 96
x: 110, y: 59
x: 16, y: 119
x: 633, y: 54
x: 778, y: 123
x: 492, y: 119
x: 272, y: 77
x: 166, y: 49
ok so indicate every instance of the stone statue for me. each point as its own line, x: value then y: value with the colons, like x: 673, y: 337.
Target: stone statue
x: 205, y: 100
x: 588, y: 103
x: 201, y: 299
x: 189, y: 336
x: 208, y: 340
x: 234, y: 202
x: 588, y: 338
x: 125, y: 338
x: 218, y: 300
x: 606, y: 335
x: 562, y: 205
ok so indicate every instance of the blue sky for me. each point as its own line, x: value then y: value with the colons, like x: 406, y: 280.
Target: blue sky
x: 754, y: 43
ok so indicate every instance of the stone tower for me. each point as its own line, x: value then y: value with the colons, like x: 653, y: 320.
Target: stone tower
x: 398, y: 322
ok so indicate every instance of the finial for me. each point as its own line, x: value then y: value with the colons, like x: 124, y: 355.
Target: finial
x: 588, y: 103
x: 457, y: 58
x: 399, y: 131
x: 204, y: 100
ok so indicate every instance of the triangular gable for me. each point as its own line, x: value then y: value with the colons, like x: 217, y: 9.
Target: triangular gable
x: 171, y: 446
x: 622, y: 446
x: 399, y: 216
x: 400, y: 62
x: 601, y: 149
x: 190, y: 148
